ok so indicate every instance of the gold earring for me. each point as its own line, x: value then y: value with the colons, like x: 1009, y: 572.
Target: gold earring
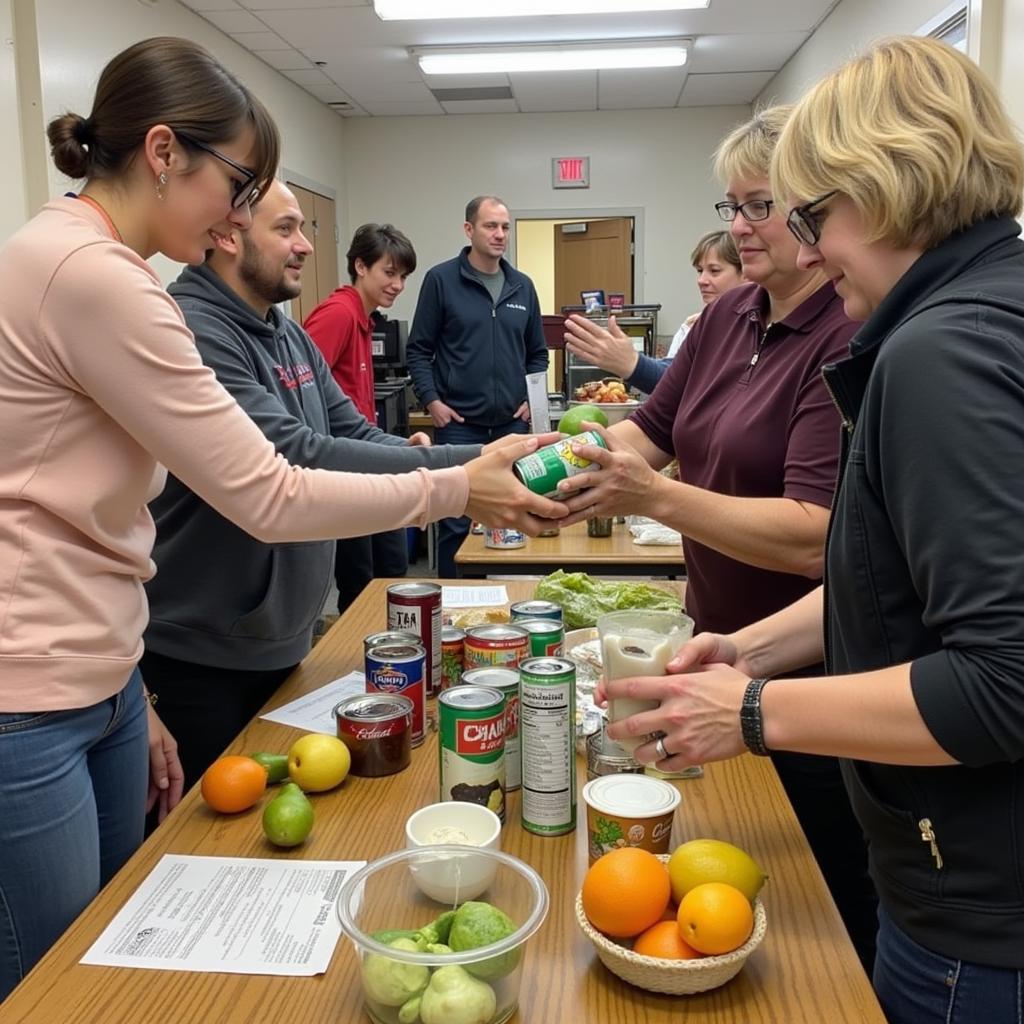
x: 161, y: 182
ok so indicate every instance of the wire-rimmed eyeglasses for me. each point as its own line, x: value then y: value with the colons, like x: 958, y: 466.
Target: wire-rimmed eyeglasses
x: 245, y: 191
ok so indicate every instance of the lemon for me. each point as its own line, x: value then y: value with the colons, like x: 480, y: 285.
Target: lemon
x: 318, y: 762
x: 712, y: 860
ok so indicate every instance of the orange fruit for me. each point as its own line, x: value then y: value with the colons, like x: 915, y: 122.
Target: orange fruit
x: 664, y: 941
x: 233, y: 784
x: 715, y: 918
x: 625, y: 892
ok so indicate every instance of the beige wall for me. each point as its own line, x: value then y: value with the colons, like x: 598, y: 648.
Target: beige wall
x: 12, y: 183
x: 76, y: 39
x: 848, y: 29
x: 535, y: 255
x: 420, y: 172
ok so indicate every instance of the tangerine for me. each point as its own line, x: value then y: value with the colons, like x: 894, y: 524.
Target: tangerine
x: 715, y: 918
x: 664, y: 941
x: 625, y: 892
x: 233, y: 784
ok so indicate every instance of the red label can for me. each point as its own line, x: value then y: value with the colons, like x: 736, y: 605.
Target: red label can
x: 453, y: 642
x: 495, y: 646
x: 400, y: 669
x: 416, y: 608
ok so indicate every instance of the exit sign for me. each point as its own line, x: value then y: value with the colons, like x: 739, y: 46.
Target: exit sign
x: 570, y: 172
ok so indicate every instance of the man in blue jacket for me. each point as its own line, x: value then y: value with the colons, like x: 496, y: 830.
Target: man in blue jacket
x: 231, y: 616
x: 475, y: 335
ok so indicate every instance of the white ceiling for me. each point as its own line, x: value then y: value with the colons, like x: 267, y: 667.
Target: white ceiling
x: 341, y: 53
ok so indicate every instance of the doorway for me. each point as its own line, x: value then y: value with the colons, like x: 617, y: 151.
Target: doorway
x: 320, y: 273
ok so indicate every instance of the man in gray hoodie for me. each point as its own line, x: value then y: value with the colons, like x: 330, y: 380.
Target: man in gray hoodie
x: 230, y: 617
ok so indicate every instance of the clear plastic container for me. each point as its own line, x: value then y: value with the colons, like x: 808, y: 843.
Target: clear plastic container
x: 385, y: 895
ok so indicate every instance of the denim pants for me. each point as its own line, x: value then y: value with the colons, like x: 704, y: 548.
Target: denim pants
x: 916, y: 986
x: 452, y: 532
x: 72, y: 799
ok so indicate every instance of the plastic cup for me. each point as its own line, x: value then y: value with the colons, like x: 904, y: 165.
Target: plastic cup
x: 384, y: 896
x: 639, y: 643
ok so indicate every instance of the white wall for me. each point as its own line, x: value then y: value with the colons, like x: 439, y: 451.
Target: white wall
x: 846, y: 31
x: 419, y: 173
x: 77, y: 38
x: 12, y: 184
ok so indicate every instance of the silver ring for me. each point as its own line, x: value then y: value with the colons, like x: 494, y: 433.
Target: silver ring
x: 659, y: 746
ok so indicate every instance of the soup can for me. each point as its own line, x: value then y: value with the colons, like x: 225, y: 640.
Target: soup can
x: 505, y: 680
x: 503, y: 537
x: 389, y: 636
x: 547, y: 734
x: 471, y: 747
x: 535, y: 609
x: 453, y: 644
x: 416, y: 608
x: 495, y: 645
x: 400, y: 668
x: 377, y: 729
x: 543, y: 470
x: 547, y: 637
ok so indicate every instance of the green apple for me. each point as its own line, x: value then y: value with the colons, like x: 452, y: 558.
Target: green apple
x: 276, y: 765
x: 570, y: 423
x: 318, y: 762
x: 288, y: 818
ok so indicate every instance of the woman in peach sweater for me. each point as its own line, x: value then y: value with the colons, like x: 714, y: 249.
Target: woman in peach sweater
x: 101, y: 387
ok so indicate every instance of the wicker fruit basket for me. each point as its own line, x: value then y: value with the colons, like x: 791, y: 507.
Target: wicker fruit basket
x: 674, y: 977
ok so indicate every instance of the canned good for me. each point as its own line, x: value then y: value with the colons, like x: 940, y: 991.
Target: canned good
x: 495, y: 645
x: 506, y: 680
x: 471, y: 748
x: 629, y: 810
x: 416, y: 608
x: 389, y: 636
x: 453, y: 642
x: 547, y: 637
x: 547, y: 733
x: 606, y: 757
x: 551, y: 531
x: 377, y: 729
x: 599, y: 526
x: 503, y: 537
x: 545, y: 468
x: 400, y: 668
x: 535, y: 609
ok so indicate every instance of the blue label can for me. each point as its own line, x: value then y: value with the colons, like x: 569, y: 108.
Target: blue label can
x: 401, y: 669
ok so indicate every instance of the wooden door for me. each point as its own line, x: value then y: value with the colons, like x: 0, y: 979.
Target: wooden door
x: 599, y: 257
x: 320, y: 274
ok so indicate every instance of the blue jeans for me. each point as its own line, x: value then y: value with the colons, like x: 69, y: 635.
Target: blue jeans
x: 72, y: 800
x: 916, y: 986
x: 452, y: 532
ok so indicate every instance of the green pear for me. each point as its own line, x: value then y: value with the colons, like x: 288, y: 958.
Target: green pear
x: 288, y: 818
x: 276, y: 765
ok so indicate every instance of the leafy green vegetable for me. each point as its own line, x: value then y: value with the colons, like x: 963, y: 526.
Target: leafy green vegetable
x: 583, y: 598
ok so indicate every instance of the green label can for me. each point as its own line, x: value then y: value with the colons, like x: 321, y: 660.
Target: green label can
x: 547, y: 637
x: 545, y: 468
x: 471, y: 749
x: 535, y: 609
x: 507, y: 681
x: 547, y: 735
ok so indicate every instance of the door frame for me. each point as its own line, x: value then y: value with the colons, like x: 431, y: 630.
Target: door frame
x: 592, y: 213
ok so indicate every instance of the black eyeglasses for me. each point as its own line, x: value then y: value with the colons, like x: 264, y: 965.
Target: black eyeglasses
x: 245, y: 191
x: 802, y: 222
x: 754, y: 209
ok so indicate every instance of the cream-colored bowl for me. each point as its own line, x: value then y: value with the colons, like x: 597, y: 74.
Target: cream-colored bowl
x: 454, y: 878
x: 616, y: 412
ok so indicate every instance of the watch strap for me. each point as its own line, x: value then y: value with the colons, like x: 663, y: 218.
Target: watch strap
x: 751, y: 720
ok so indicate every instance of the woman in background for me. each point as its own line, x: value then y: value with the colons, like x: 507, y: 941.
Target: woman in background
x: 906, y: 177
x: 101, y: 387
x: 718, y: 267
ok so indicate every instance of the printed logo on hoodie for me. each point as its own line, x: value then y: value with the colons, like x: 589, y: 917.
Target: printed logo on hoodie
x: 298, y: 376
x: 516, y: 305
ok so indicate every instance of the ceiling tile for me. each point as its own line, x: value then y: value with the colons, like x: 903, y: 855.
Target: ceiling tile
x: 384, y: 109
x: 572, y: 90
x: 481, y: 107
x: 462, y: 81
x: 307, y: 76
x: 402, y: 92
x: 256, y: 41
x: 296, y: 5
x: 235, y: 21
x: 723, y: 90
x: 743, y: 51
x: 285, y: 60
x: 212, y: 5
x: 647, y: 87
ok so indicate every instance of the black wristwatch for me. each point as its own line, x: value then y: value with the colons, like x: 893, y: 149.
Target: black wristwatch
x: 751, y: 722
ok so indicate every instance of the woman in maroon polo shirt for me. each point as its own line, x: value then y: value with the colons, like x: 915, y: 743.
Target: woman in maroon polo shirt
x: 744, y: 409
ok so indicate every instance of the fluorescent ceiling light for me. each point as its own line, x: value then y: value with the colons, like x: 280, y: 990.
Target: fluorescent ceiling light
x: 476, y: 60
x: 428, y: 10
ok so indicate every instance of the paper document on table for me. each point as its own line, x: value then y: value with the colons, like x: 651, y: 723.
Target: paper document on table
x: 228, y: 914
x: 314, y: 711
x: 473, y: 597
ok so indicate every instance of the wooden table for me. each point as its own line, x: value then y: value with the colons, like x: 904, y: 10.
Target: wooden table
x: 573, y: 551
x: 805, y: 971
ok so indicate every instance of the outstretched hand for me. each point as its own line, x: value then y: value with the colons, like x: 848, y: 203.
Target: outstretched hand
x: 610, y: 349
